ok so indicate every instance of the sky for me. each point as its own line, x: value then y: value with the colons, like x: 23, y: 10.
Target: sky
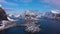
x: 18, y: 6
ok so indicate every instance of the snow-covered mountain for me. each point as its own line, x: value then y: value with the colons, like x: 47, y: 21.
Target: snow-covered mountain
x: 13, y: 15
x: 55, y: 11
x: 52, y: 14
x: 48, y: 14
x: 30, y: 12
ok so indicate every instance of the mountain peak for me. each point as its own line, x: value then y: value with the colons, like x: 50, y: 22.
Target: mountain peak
x: 55, y: 11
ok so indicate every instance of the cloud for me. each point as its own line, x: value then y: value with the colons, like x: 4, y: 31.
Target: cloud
x: 12, y: 4
x: 2, y: 1
x: 13, y: 10
x: 46, y: 1
x: 9, y: 9
x: 8, y: 3
x: 24, y: 1
x: 54, y: 3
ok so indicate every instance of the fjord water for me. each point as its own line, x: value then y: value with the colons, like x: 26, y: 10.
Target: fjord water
x: 48, y: 26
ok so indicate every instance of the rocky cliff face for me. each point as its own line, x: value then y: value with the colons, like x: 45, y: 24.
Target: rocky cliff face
x: 31, y: 21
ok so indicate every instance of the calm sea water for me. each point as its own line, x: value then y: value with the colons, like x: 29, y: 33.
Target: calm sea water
x: 48, y: 26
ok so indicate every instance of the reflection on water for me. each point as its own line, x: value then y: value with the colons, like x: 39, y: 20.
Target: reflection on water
x: 48, y: 27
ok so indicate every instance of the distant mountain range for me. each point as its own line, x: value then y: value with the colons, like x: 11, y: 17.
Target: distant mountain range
x: 39, y: 14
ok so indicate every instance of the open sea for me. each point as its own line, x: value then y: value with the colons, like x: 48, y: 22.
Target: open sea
x: 48, y: 26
